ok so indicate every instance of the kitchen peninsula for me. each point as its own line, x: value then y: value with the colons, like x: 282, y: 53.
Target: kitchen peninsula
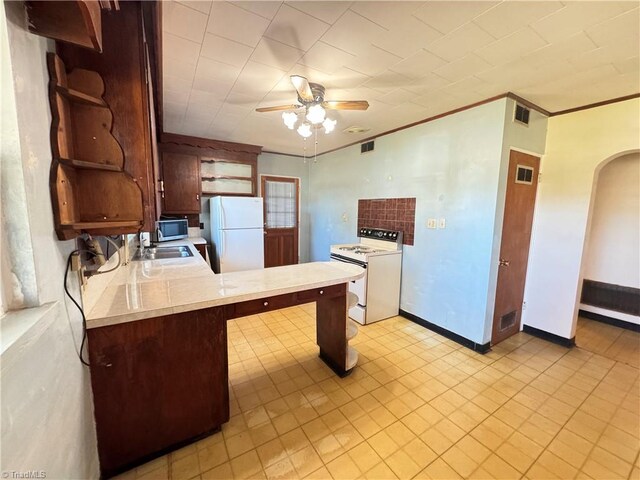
x: 157, y: 342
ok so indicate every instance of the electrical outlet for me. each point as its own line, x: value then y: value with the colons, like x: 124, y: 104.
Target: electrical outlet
x: 431, y: 223
x: 201, y: 226
x: 442, y: 223
x: 75, y: 262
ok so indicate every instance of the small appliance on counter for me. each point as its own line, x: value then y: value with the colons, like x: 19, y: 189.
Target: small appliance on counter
x: 237, y: 230
x: 380, y: 254
x: 167, y: 230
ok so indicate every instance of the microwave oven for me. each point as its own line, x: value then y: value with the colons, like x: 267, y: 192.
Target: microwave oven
x: 167, y: 230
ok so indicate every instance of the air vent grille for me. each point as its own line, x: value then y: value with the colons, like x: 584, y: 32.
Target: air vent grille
x: 521, y: 114
x: 366, y: 147
x: 508, y: 320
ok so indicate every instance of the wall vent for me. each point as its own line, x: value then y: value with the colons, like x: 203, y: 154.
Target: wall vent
x: 521, y: 114
x: 366, y: 147
x: 508, y: 320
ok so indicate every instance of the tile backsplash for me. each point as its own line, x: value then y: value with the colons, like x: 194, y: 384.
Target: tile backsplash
x: 389, y: 214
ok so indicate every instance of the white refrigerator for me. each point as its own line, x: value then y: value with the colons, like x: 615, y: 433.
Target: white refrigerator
x: 237, y: 232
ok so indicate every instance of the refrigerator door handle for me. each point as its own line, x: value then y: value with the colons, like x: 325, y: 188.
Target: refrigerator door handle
x: 223, y: 221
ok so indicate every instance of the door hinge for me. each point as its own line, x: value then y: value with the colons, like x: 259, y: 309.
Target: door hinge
x: 161, y: 185
x: 539, y: 177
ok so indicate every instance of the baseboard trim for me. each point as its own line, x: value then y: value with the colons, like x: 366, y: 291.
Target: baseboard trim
x: 634, y: 327
x: 476, y: 347
x: 550, y: 337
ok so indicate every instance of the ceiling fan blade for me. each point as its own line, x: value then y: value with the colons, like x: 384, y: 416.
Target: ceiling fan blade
x: 301, y: 85
x: 278, y: 108
x: 346, y: 105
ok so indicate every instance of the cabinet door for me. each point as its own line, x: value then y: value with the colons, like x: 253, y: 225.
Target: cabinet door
x: 157, y: 384
x: 181, y: 176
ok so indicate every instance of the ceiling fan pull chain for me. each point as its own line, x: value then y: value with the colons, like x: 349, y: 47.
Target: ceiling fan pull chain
x: 315, y: 146
x: 304, y: 150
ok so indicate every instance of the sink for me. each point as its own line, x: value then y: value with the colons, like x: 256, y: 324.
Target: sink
x: 161, y: 253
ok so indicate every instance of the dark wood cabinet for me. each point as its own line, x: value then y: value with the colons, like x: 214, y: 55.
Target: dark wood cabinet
x: 181, y: 182
x: 163, y: 382
x: 122, y: 66
x: 226, y: 168
x: 202, y: 249
x: 78, y: 22
x: 157, y: 383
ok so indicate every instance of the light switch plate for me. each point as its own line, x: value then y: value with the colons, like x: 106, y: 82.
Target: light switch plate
x: 442, y: 223
x: 431, y: 223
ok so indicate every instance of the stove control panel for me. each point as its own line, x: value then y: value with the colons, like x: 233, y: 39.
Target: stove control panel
x: 389, y: 235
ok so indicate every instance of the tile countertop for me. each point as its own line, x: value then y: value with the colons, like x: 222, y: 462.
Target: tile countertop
x: 152, y: 288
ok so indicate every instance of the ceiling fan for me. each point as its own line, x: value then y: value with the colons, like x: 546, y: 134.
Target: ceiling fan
x: 312, y: 94
x: 311, y: 98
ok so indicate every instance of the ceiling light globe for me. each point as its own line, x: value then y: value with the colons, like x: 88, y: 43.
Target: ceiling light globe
x: 304, y: 130
x: 329, y: 125
x: 316, y: 114
x: 290, y: 119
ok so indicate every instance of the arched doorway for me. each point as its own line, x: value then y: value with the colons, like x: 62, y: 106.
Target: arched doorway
x: 608, y: 309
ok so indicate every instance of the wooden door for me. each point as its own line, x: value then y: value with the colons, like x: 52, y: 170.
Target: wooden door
x: 281, y: 220
x: 522, y: 182
x: 181, y: 178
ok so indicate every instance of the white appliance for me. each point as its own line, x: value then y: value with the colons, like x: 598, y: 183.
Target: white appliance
x: 380, y: 254
x: 237, y: 233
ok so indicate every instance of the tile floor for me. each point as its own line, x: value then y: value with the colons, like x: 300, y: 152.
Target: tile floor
x: 609, y: 341
x: 417, y: 406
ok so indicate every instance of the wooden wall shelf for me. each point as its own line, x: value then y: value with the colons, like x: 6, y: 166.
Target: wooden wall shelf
x: 90, y: 165
x: 90, y: 191
x: 79, y: 97
x: 78, y: 22
x: 213, y: 178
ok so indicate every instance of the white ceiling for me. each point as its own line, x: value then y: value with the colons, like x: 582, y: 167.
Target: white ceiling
x: 409, y: 60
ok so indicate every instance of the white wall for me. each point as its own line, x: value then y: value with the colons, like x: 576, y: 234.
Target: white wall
x: 288, y: 166
x: 452, y: 166
x: 578, y: 145
x: 46, y: 407
x: 612, y: 254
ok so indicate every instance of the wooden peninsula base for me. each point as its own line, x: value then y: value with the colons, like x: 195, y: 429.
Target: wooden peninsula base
x: 162, y: 382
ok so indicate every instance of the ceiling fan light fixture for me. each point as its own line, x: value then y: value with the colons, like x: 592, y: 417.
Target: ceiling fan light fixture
x: 304, y: 129
x: 329, y: 125
x: 290, y: 119
x: 316, y: 114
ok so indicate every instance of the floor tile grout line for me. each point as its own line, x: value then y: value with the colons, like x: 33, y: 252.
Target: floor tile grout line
x: 567, y: 421
x: 301, y: 365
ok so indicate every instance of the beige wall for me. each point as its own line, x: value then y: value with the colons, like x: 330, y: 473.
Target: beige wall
x: 578, y: 146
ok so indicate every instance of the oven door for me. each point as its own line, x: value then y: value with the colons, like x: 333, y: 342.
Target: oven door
x: 359, y: 286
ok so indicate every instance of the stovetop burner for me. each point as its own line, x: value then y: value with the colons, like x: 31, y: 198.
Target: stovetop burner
x: 358, y: 249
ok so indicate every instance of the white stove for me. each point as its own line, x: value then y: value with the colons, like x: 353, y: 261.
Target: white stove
x: 380, y: 254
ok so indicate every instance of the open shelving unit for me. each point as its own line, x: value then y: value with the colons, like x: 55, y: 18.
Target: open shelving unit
x: 352, y: 331
x: 220, y: 177
x: 90, y: 191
